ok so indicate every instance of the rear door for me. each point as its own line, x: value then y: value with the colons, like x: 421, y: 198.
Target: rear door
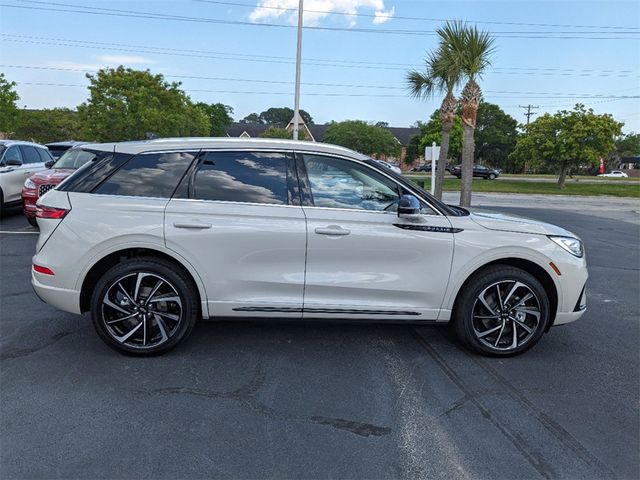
x: 362, y: 260
x: 32, y: 162
x: 237, y: 219
x: 12, y: 177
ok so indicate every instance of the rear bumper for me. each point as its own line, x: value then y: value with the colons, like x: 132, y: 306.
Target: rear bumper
x: 568, y: 317
x: 29, y: 199
x: 67, y: 300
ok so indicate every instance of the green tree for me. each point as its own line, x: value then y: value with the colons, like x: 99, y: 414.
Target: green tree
x: 467, y: 50
x: 568, y: 139
x: 48, y: 125
x: 439, y: 76
x: 362, y: 137
x: 126, y: 104
x: 628, y: 145
x: 219, y: 116
x: 277, y: 132
x: 495, y: 136
x: 251, y: 118
x: 280, y: 116
x: 8, y: 108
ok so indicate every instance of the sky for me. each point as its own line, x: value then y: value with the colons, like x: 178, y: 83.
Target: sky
x: 355, y: 53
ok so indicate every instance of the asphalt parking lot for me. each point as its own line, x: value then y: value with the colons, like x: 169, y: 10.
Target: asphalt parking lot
x: 256, y: 400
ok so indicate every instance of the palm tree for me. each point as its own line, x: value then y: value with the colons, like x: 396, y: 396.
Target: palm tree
x: 439, y: 76
x: 467, y: 50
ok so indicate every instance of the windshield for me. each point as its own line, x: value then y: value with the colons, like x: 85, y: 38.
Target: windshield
x: 74, y: 159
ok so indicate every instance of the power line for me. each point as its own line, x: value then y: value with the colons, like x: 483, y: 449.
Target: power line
x: 287, y: 60
x: 70, y: 8
x: 400, y: 17
x: 344, y: 85
x: 333, y: 94
x: 530, y: 111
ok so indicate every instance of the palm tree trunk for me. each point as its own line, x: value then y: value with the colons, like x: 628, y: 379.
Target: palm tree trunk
x: 471, y: 96
x: 447, y: 115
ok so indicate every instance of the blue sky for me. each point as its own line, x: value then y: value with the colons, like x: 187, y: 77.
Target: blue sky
x: 250, y: 67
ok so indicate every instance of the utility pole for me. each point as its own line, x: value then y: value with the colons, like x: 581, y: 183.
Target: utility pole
x: 529, y: 111
x: 528, y: 114
x: 296, y: 108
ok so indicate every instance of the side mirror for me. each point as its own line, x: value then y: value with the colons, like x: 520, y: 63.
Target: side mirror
x: 14, y: 162
x: 408, y: 206
x: 50, y: 163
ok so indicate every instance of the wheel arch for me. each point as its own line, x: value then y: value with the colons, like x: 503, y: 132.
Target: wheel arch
x: 528, y: 266
x: 113, y: 258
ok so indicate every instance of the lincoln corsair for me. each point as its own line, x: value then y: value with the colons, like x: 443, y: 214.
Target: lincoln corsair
x: 151, y: 236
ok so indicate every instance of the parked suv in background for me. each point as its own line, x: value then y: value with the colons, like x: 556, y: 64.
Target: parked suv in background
x: 478, y: 171
x: 18, y: 161
x: 43, y: 181
x: 150, y: 236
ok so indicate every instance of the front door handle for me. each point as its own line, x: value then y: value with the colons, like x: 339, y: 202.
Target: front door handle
x: 193, y: 225
x: 332, y: 230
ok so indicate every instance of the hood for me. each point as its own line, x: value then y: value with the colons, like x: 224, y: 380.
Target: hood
x: 52, y: 175
x: 511, y: 223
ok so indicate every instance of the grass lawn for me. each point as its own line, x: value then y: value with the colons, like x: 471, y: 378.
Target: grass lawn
x: 515, y: 186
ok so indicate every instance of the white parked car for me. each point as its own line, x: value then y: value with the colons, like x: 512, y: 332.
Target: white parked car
x: 18, y: 161
x: 150, y: 236
x: 390, y: 166
x: 614, y: 174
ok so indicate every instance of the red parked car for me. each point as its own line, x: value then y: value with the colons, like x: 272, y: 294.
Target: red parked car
x: 40, y: 183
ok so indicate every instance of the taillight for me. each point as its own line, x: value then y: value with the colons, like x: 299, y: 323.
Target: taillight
x: 44, y: 270
x: 50, y: 212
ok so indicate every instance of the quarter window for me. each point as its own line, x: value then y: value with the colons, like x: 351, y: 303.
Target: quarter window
x: 338, y: 183
x: 148, y: 175
x: 252, y: 177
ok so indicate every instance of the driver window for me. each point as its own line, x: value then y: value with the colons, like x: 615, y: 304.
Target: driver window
x: 338, y: 183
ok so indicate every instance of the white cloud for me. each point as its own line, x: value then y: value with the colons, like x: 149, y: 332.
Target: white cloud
x: 384, y: 16
x: 125, y: 59
x: 314, y: 10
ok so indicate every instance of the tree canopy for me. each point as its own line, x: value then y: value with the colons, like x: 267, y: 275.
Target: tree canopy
x: 219, y: 116
x: 49, y: 125
x: 362, y: 137
x: 280, y: 116
x: 126, y: 104
x: 8, y: 108
x: 566, y: 140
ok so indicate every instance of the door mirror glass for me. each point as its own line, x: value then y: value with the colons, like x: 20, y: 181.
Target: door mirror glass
x: 50, y: 163
x: 408, y: 206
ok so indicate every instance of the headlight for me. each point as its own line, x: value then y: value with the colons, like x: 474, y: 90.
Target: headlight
x: 28, y: 183
x: 570, y: 244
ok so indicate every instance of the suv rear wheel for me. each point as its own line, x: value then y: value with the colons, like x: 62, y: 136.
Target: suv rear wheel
x: 504, y: 311
x: 144, y: 307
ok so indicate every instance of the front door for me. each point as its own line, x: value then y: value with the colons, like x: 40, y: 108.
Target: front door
x: 362, y: 260
x: 238, y: 221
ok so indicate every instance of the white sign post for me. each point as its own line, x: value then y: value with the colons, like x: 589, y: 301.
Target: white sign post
x: 434, y: 160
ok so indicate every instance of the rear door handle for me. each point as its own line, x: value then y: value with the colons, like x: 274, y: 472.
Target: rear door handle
x: 332, y: 230
x: 193, y: 226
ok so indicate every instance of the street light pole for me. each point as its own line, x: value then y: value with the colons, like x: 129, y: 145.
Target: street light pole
x: 296, y: 109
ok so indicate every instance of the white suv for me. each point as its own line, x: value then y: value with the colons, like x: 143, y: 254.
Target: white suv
x: 18, y: 161
x: 151, y: 236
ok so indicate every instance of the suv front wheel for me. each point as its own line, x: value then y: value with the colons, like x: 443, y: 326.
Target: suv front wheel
x: 144, y: 307
x: 502, y: 311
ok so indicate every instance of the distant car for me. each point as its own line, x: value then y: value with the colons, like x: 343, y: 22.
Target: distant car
x: 426, y: 167
x: 57, y: 149
x: 18, y: 161
x: 614, y: 174
x: 478, y: 171
x: 389, y: 166
x: 43, y: 181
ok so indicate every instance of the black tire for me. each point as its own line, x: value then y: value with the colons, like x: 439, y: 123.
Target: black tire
x: 477, y: 326
x: 32, y: 221
x: 154, y: 319
x: 492, y: 176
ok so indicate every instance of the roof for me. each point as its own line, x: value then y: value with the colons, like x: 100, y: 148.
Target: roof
x: 67, y: 144
x: 630, y: 159
x: 19, y: 142
x: 196, y: 143
x: 403, y: 134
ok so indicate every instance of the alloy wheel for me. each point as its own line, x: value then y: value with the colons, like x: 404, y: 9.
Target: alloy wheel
x: 506, y: 315
x: 141, y: 310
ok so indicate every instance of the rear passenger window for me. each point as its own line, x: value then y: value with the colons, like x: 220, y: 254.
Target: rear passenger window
x: 148, y: 175
x: 45, y: 156
x: 253, y: 177
x: 30, y: 154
